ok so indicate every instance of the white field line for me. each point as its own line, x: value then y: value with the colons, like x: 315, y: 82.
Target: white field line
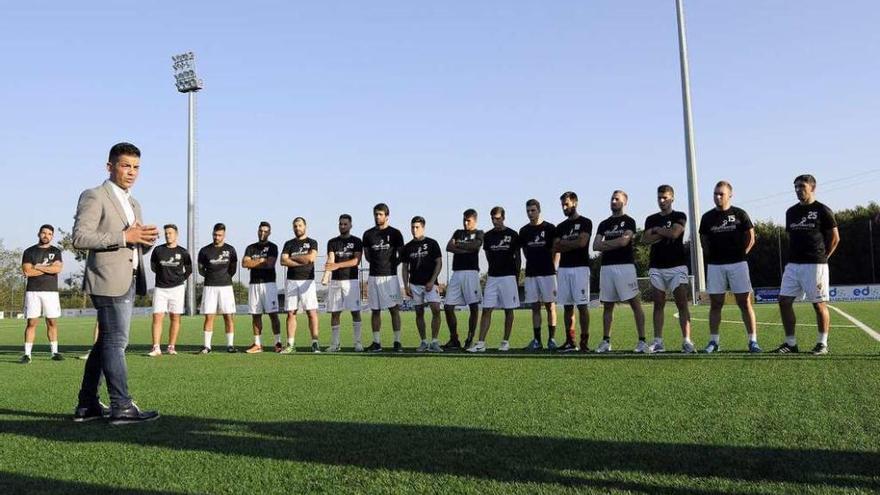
x: 775, y: 324
x: 865, y: 328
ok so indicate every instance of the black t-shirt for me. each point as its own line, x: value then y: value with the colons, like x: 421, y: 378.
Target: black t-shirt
x: 613, y: 228
x: 806, y: 226
x: 36, y: 255
x: 667, y: 253
x: 345, y: 249
x: 467, y: 238
x: 260, y: 251
x: 381, y: 248
x: 172, y: 266
x: 217, y: 264
x: 570, y: 230
x: 537, y: 245
x: 726, y: 233
x: 421, y: 259
x: 502, y: 248
x: 300, y: 247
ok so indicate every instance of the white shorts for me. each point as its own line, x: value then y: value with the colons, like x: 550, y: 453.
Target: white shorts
x: 805, y: 281
x: 344, y: 295
x: 169, y: 300
x: 463, y: 288
x: 731, y: 276
x: 218, y: 300
x: 540, y: 289
x: 420, y: 296
x: 574, y: 286
x: 618, y: 283
x: 42, y: 303
x: 263, y: 298
x: 300, y: 295
x: 383, y: 292
x: 668, y: 279
x: 501, y: 292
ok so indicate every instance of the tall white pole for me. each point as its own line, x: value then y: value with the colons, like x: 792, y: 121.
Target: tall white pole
x: 694, y: 201
x: 191, y: 202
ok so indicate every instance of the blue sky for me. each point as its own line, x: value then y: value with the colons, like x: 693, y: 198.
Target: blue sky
x: 314, y: 109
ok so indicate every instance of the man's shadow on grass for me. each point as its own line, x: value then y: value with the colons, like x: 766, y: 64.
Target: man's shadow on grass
x: 470, y: 452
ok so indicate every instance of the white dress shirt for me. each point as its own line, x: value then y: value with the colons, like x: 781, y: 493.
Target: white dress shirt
x: 124, y: 197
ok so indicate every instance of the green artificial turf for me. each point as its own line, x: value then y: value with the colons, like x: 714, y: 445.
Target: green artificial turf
x: 454, y: 423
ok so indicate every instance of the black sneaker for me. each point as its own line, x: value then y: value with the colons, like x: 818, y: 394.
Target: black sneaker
x: 204, y: 350
x: 468, y: 343
x: 25, y: 359
x: 374, y: 347
x: 567, y: 347
x: 398, y: 347
x: 786, y: 349
x: 83, y: 414
x: 230, y: 350
x: 132, y: 414
x: 315, y: 348
x: 452, y: 345
x: 57, y: 357
x: 820, y: 349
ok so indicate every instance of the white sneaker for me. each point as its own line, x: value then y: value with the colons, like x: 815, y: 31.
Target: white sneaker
x: 478, y: 347
x: 358, y: 347
x: 604, y: 347
x: 656, y: 348
x: 333, y: 348
x: 422, y: 347
x: 155, y: 352
x: 641, y: 347
x: 505, y: 346
x: 435, y: 347
x: 171, y: 350
x: 688, y: 348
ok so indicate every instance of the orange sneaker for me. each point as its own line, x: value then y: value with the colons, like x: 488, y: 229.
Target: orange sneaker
x: 254, y: 349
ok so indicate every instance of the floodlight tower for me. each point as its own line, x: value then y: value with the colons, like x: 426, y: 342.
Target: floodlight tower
x: 188, y: 82
x: 690, y: 148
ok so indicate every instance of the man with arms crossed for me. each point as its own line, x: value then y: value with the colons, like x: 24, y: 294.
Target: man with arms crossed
x: 573, y: 244
x: 342, y: 273
x: 502, y: 248
x: 173, y: 266
x: 813, y: 237
x: 537, y: 239
x: 260, y: 259
x: 108, y: 224
x: 422, y: 261
x: 463, y: 287
x: 617, y: 277
x: 41, y: 264
x: 668, y: 267
x: 727, y: 235
x: 217, y: 263
x: 382, y: 245
x: 298, y: 255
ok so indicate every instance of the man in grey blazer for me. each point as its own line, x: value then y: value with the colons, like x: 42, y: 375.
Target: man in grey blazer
x: 108, y: 224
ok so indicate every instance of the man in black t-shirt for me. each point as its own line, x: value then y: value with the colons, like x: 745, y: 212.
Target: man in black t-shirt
x: 260, y: 258
x: 298, y: 255
x: 537, y: 239
x: 573, y: 245
x: 342, y: 273
x: 813, y: 238
x: 463, y: 287
x: 173, y: 266
x: 382, y: 245
x: 502, y: 248
x: 668, y: 267
x: 617, y: 276
x: 41, y: 264
x: 217, y: 263
x: 422, y: 261
x: 727, y: 235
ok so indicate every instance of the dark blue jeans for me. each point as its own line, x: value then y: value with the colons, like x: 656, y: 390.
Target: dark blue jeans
x: 108, y: 354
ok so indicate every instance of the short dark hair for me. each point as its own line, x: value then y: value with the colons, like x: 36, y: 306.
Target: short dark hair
x: 418, y: 219
x: 621, y: 192
x: 666, y: 188
x: 219, y: 226
x: 724, y: 183
x: 383, y: 208
x: 299, y: 218
x: 470, y: 213
x: 169, y: 226
x: 569, y: 195
x: 496, y: 210
x: 46, y: 226
x: 806, y: 178
x: 533, y: 202
x: 265, y: 224
x: 120, y: 149
x: 345, y: 216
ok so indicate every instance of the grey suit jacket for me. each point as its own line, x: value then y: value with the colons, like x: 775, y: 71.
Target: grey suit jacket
x: 98, y: 226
